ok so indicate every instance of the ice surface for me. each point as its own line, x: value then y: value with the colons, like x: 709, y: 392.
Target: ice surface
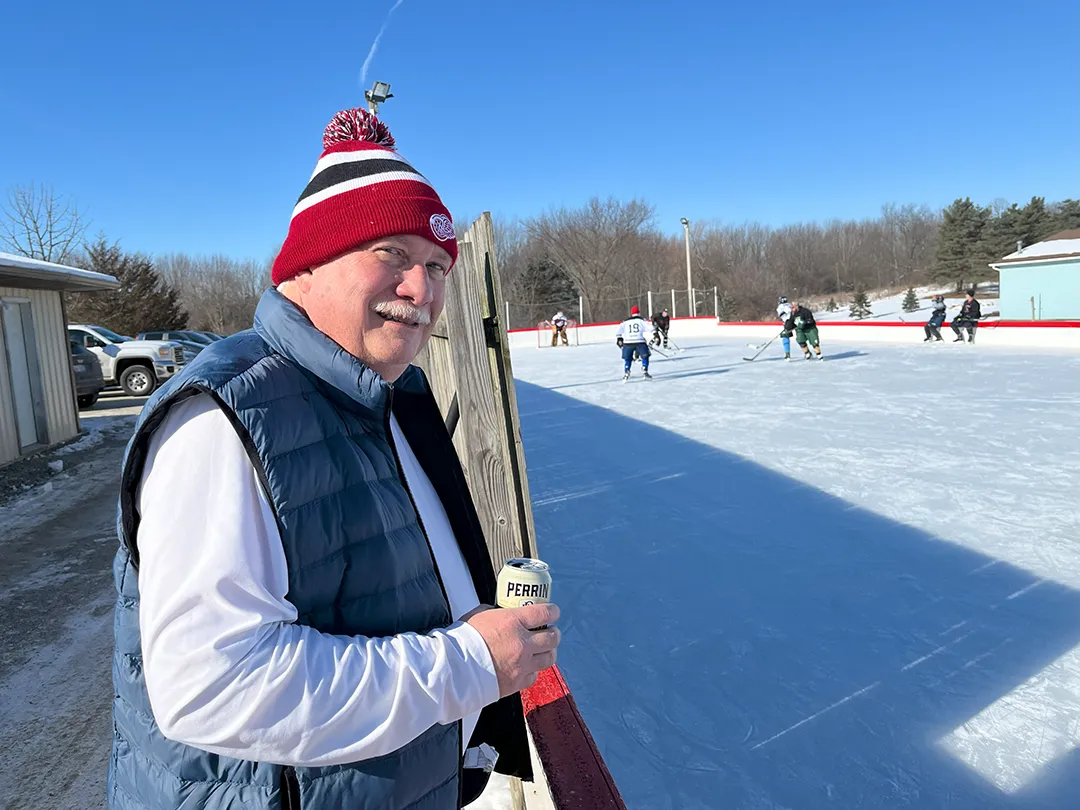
x: 841, y: 584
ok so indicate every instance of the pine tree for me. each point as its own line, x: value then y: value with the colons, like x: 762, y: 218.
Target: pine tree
x: 1065, y: 216
x: 860, y: 305
x: 144, y: 301
x: 911, y: 301
x: 961, y: 252
x: 832, y: 306
x: 727, y: 307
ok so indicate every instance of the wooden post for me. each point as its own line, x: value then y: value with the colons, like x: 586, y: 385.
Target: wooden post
x: 468, y: 364
x: 581, y: 310
x: 650, y: 304
x: 673, y: 303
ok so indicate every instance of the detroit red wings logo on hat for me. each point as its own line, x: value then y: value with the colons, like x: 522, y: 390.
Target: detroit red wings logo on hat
x: 361, y: 190
x: 442, y: 227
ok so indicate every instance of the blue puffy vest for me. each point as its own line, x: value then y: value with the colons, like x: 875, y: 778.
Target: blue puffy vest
x: 316, y: 425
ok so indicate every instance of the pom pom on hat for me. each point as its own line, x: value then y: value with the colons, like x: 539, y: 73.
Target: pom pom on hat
x: 357, y: 125
x: 634, y: 310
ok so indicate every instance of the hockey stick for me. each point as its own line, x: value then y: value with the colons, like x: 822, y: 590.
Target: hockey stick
x: 759, y: 351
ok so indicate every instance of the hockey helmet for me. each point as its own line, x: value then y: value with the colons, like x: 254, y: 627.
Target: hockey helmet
x: 783, y: 299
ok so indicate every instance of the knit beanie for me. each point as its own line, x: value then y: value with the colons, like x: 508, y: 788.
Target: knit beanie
x: 361, y: 190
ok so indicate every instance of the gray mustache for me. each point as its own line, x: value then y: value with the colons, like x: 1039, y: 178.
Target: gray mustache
x: 402, y: 311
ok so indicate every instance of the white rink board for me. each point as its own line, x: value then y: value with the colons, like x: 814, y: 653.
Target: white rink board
x: 990, y: 334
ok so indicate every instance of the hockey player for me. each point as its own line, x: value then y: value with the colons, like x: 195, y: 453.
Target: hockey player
x: 970, y: 312
x: 633, y: 338
x: 937, y: 318
x: 558, y: 327
x: 802, y: 323
x: 661, y: 323
x: 783, y: 312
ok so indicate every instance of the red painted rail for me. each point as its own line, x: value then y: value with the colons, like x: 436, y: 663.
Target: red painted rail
x: 577, y: 776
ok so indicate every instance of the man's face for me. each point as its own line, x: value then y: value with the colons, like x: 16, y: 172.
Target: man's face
x: 379, y: 302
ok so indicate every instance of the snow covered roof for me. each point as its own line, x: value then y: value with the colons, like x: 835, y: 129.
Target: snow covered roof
x: 1064, y: 245
x: 19, y: 271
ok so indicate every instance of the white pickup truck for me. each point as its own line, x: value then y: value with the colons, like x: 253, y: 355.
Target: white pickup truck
x: 137, y: 366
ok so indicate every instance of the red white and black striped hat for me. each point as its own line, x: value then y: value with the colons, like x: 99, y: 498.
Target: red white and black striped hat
x: 361, y: 190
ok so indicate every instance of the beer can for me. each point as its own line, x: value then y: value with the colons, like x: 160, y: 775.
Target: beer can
x: 524, y: 581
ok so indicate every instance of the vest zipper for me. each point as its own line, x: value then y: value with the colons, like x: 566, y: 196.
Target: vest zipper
x: 290, y: 789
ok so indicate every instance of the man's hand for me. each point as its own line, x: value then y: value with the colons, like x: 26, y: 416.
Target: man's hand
x: 618, y: 342
x: 519, y: 652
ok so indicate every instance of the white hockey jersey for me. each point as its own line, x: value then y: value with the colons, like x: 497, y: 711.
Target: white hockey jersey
x: 635, y: 330
x: 559, y: 320
x: 783, y: 312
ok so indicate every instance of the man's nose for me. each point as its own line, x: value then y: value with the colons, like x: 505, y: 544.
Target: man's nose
x: 416, y: 285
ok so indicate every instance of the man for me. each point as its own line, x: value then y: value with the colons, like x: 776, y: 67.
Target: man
x: 783, y: 312
x: 937, y: 318
x: 302, y: 577
x: 661, y: 323
x: 558, y: 327
x: 970, y: 312
x: 802, y: 323
x: 632, y: 337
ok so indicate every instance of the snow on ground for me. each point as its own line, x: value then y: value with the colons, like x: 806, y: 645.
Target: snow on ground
x: 851, y: 583
x: 891, y: 307
x: 87, y: 473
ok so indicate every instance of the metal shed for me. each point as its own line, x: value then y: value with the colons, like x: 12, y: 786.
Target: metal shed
x: 1041, y: 282
x: 37, y: 392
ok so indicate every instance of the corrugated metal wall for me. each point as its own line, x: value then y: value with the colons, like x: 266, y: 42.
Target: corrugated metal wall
x: 1055, y: 288
x: 54, y: 356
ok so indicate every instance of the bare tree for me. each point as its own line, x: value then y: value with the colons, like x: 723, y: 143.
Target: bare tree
x: 39, y: 224
x: 597, y: 246
x: 219, y: 293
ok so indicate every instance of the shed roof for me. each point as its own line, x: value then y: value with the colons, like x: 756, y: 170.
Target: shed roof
x: 19, y: 271
x: 1063, y: 245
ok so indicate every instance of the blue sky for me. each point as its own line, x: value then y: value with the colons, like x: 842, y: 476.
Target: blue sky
x: 193, y: 126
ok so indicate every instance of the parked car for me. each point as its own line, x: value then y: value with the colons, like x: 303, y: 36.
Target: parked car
x: 137, y: 366
x: 183, y: 335
x: 89, y: 382
x: 212, y: 335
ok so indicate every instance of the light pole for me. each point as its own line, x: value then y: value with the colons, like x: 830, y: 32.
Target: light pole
x: 689, y: 283
x: 379, y: 93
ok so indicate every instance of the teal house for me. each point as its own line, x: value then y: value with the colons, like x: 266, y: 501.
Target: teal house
x: 1041, y: 282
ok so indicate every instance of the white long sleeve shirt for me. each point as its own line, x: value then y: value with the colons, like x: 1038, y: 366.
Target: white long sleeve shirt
x: 634, y: 330
x: 227, y: 669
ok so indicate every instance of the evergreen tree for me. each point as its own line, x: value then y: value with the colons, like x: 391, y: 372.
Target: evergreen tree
x: 1065, y: 216
x: 860, y: 305
x: 143, y: 302
x: 832, y: 306
x: 911, y: 301
x: 961, y: 251
x: 727, y: 307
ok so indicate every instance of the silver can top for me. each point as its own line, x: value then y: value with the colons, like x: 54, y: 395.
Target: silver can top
x: 527, y: 564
